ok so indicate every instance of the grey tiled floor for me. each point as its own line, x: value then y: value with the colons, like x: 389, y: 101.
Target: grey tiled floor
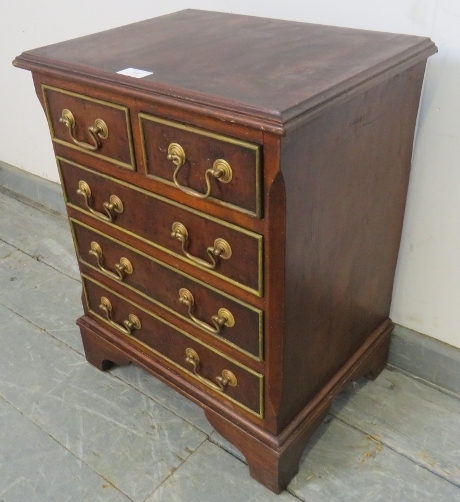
x: 69, y: 432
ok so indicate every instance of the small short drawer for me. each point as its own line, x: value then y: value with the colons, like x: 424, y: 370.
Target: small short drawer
x: 90, y: 125
x: 208, y: 368
x: 220, y: 248
x: 203, y: 164
x: 207, y: 309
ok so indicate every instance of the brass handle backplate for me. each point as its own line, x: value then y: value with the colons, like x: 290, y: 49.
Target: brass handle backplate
x: 223, y: 318
x: 123, y: 268
x: 96, y: 132
x: 128, y: 326
x: 221, y: 383
x: 221, y: 248
x: 220, y: 170
x: 113, y: 206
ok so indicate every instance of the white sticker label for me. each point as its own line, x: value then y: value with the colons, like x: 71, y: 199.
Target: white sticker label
x: 134, y: 72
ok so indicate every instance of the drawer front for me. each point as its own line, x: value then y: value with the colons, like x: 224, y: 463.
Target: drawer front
x: 90, y: 125
x: 210, y: 311
x: 222, y: 249
x: 203, y: 164
x: 209, y: 368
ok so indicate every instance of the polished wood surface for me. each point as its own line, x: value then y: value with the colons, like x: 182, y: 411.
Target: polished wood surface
x: 162, y: 284
x: 116, y: 146
x: 202, y: 148
x: 235, y: 62
x: 170, y: 343
x: 340, y: 274
x: 326, y: 116
x: 152, y: 218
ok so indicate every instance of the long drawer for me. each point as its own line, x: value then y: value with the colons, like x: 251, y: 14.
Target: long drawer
x: 220, y: 248
x: 207, y: 309
x: 208, y: 368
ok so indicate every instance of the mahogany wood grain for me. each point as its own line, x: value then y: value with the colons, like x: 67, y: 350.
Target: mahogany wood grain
x: 85, y: 110
x: 235, y: 63
x: 344, y: 217
x: 152, y: 218
x: 188, y: 268
x: 202, y: 148
x: 333, y: 111
x: 139, y: 179
x: 169, y: 343
x: 162, y: 284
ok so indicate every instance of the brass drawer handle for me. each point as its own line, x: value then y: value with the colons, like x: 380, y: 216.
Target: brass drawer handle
x: 220, y: 170
x: 97, y: 131
x: 121, y: 269
x: 223, y: 318
x: 221, y: 248
x: 227, y: 378
x: 129, y: 325
x: 113, y: 206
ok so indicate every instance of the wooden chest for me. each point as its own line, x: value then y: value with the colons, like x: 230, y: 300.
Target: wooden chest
x: 236, y: 197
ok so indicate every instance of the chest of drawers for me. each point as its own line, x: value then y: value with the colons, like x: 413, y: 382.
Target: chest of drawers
x: 237, y: 209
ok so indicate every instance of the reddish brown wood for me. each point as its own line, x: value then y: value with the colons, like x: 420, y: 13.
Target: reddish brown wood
x: 152, y: 218
x: 266, y: 79
x: 333, y: 111
x: 101, y: 353
x: 274, y: 460
x: 184, y: 266
x: 202, y: 148
x: 163, y: 284
x: 345, y: 213
x: 116, y: 146
x: 170, y: 343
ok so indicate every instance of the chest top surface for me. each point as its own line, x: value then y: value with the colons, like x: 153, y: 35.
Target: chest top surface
x: 262, y: 67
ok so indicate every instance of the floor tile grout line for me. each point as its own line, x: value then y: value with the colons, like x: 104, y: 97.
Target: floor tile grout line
x: 214, y: 442
x: 208, y: 437
x: 108, y: 373
x: 26, y: 201
x: 293, y: 494
x: 10, y: 253
x: 443, y: 390
x: 158, y: 402
x: 32, y: 323
x: 177, y: 468
x: 37, y: 258
x: 2, y: 397
x: 395, y: 450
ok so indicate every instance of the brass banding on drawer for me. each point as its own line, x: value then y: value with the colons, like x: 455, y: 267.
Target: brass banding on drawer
x: 221, y: 249
x: 95, y: 127
x: 224, y: 317
x: 221, y: 171
x: 127, y: 326
x: 150, y: 218
x: 165, y: 286
x: 207, y: 366
x: 113, y: 207
x: 98, y: 131
x: 123, y: 268
x: 203, y: 164
x: 220, y: 383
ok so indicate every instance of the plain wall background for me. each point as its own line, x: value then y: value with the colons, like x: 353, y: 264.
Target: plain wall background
x: 427, y: 287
